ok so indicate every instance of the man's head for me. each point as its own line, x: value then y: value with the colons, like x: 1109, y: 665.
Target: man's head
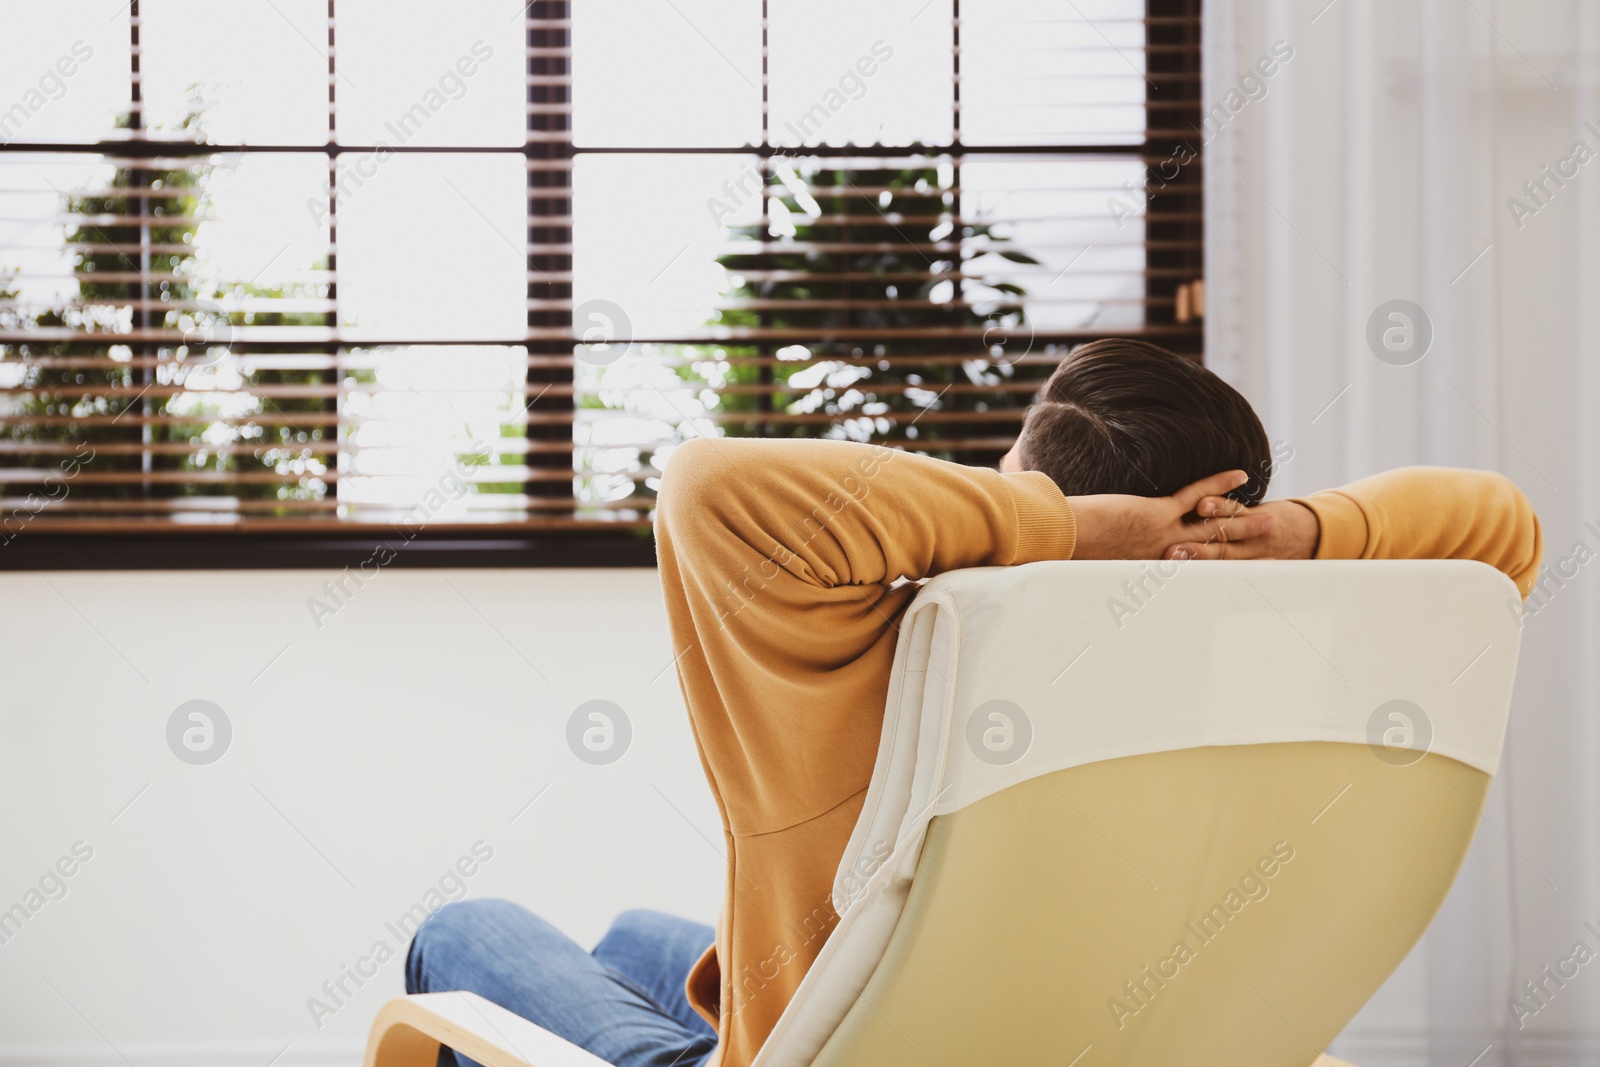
x: 1124, y: 416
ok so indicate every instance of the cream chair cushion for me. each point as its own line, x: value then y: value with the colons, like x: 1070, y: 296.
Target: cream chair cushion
x: 1172, y: 730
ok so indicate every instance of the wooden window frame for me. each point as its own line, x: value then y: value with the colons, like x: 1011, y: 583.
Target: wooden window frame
x: 1173, y: 236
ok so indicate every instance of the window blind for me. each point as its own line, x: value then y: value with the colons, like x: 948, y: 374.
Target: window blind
x: 874, y: 262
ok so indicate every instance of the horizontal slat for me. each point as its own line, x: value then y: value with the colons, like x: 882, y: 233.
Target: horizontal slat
x: 967, y: 246
x: 201, y: 154
x: 244, y: 336
x: 972, y: 274
x: 933, y: 191
x: 1159, y: 20
x: 896, y: 218
x: 1025, y: 46
x: 380, y: 528
x: 970, y: 246
x: 493, y: 474
x: 252, y: 363
x: 28, y: 475
x: 1149, y: 150
x: 850, y: 190
x: 503, y: 446
x: 107, y: 221
x: 330, y: 448
x: 160, y: 448
x: 223, y: 505
x: 1061, y: 76
x: 301, y: 420
x: 269, y: 305
x: 989, y: 305
x: 106, y: 193
x: 880, y: 218
x: 1065, y: 105
x: 976, y: 272
x: 127, y: 251
x: 78, y: 505
x: 242, y: 305
x: 307, y: 392
x: 1080, y: 20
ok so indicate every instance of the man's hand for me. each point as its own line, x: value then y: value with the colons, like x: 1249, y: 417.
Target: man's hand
x: 1197, y: 522
x: 1293, y: 535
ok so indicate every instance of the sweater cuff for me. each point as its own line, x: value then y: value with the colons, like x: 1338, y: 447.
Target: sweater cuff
x: 703, y: 988
x: 1046, y: 526
x: 1344, y: 525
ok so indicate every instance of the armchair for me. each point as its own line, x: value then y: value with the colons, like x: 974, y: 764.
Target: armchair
x: 1133, y: 814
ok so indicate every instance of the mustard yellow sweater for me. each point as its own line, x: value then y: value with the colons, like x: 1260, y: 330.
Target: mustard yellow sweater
x: 779, y: 561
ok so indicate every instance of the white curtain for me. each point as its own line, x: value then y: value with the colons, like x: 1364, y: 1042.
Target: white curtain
x: 1445, y: 153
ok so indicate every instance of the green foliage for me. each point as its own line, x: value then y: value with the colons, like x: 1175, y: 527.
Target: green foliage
x: 869, y: 387
x: 129, y: 388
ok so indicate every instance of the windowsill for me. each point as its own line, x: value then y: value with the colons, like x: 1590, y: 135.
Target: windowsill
x: 211, y: 550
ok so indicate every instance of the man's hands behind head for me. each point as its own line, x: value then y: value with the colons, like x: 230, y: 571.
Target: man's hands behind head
x: 1197, y: 522
x: 1293, y: 533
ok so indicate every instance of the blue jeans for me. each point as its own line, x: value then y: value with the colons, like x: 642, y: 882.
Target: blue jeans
x: 624, y: 1001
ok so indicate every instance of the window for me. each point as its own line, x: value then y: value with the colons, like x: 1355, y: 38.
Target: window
x: 457, y: 279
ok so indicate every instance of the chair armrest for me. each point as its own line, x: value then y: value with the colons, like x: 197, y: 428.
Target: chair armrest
x: 409, y: 1030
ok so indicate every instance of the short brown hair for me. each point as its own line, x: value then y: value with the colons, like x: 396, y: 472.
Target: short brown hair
x: 1125, y: 416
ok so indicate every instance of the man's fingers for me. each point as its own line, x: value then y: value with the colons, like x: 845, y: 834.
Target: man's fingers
x: 1208, y: 551
x: 1239, y: 528
x: 1212, y: 550
x: 1216, y: 485
x: 1220, y: 507
x: 1204, y: 550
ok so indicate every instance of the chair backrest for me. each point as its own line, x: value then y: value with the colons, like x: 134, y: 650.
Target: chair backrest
x: 1130, y: 813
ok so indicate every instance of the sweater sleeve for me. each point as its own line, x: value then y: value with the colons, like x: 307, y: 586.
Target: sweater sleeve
x: 779, y: 563
x: 1432, y: 513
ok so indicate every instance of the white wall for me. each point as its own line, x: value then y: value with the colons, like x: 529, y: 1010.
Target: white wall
x: 417, y: 720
